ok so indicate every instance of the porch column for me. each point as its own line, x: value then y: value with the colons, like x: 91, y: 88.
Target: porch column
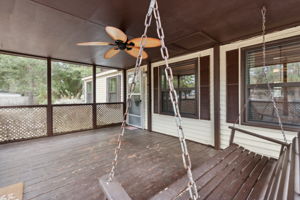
x: 217, y: 96
x: 124, y: 89
x: 49, y: 100
x: 94, y: 98
x: 149, y: 96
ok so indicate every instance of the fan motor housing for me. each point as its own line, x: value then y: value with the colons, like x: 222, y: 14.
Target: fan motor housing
x: 124, y: 45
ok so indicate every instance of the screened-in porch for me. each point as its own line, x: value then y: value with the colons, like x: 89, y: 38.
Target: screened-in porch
x: 159, y: 100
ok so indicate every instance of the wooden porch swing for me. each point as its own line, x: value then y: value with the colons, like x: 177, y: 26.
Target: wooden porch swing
x: 233, y: 173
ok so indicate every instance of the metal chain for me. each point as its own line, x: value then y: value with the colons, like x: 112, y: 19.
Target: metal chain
x: 263, y: 13
x: 192, y: 188
x: 137, y: 70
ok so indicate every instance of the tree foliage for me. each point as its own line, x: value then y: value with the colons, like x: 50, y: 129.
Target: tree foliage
x: 28, y: 77
x: 67, y: 80
x: 25, y: 76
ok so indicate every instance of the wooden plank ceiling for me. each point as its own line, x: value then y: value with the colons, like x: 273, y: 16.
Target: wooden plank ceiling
x: 53, y: 27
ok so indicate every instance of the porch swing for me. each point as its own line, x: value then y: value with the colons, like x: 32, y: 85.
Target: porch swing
x: 258, y: 177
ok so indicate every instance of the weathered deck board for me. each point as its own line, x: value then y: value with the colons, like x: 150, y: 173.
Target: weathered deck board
x: 68, y: 166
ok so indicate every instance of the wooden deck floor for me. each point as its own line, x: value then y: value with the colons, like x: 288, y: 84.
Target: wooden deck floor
x: 67, y: 167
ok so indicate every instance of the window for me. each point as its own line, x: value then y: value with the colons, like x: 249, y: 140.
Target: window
x: 113, y: 89
x: 283, y: 74
x: 23, y: 81
x: 185, y: 83
x: 137, y: 88
x: 68, y: 82
x: 109, y: 87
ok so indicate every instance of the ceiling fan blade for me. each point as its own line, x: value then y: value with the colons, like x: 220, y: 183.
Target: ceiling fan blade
x: 116, y: 34
x: 135, y: 52
x: 111, y: 52
x: 93, y: 43
x: 149, y: 43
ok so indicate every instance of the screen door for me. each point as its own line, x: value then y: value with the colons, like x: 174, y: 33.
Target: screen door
x: 135, y: 111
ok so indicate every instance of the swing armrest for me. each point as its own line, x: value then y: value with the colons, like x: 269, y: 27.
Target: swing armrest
x: 113, y: 190
x: 233, y: 130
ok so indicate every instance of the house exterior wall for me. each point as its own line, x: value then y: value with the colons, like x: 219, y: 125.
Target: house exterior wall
x: 101, y: 88
x: 101, y: 94
x: 251, y: 143
x: 201, y: 131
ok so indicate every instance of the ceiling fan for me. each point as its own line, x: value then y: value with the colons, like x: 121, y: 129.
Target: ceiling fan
x: 131, y: 47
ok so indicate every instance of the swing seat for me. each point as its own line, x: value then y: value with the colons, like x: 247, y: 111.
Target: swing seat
x: 113, y: 190
x: 239, y: 174
x: 234, y: 173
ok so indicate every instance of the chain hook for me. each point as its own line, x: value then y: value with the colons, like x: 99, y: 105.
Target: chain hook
x: 263, y: 10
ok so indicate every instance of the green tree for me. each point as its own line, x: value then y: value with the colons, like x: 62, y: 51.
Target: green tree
x: 28, y: 77
x: 67, y: 80
x: 25, y: 76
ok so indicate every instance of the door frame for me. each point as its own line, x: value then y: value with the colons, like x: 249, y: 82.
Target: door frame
x: 142, y: 98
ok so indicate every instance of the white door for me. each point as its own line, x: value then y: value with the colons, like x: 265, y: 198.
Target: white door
x: 135, y: 117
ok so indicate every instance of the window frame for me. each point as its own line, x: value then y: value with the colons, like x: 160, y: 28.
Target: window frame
x: 245, y: 86
x: 160, y: 91
x: 118, y: 90
x: 53, y: 60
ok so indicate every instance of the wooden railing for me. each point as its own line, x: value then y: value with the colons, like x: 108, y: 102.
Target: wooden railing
x: 234, y: 129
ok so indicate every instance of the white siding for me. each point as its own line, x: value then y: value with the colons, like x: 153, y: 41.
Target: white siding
x: 203, y: 130
x: 255, y: 144
x: 195, y: 129
x: 101, y: 86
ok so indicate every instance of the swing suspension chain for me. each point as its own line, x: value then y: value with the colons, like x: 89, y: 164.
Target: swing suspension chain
x: 263, y: 13
x: 264, y: 73
x: 192, y: 188
x: 256, y: 85
x: 137, y: 70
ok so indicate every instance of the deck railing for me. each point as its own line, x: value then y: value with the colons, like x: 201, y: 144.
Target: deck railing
x: 109, y: 113
x: 27, y: 122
